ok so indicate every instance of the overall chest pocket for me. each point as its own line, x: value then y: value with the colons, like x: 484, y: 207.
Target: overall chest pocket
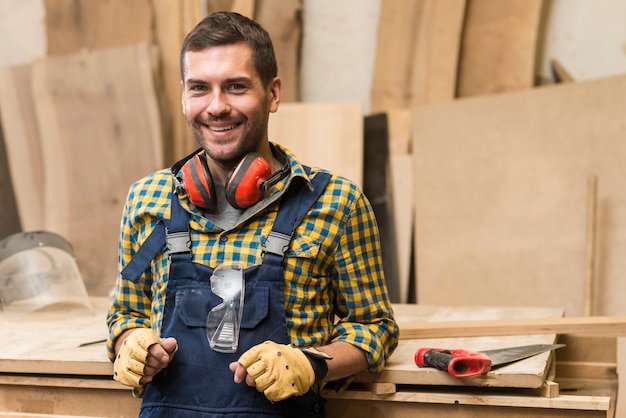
x: 194, y: 302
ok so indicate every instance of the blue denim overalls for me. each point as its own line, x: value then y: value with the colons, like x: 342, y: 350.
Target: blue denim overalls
x: 198, y: 383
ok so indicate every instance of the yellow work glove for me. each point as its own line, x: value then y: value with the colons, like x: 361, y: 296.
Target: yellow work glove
x: 130, y: 361
x: 279, y: 371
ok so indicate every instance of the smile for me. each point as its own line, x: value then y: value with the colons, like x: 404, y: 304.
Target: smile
x: 222, y: 128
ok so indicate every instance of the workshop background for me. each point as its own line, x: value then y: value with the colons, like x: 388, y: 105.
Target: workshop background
x: 488, y: 134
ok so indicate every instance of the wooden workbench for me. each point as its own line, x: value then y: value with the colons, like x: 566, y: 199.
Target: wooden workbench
x: 45, y: 370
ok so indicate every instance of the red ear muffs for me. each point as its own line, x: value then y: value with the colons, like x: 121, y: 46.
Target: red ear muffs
x: 244, y: 185
x: 198, y: 183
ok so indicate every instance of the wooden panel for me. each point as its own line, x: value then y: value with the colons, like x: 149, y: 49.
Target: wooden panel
x: 72, y: 25
x: 499, y: 46
x: 174, y: 19
x: 418, y: 46
x: 402, y: 196
x: 282, y: 20
x: 501, y: 185
x: 23, y: 147
x: 328, y: 135
x: 397, y: 29
x: 528, y: 373
x: 102, y: 132
x: 435, y: 59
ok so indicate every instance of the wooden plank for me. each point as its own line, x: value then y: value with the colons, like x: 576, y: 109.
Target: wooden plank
x: 310, y: 130
x: 504, y: 223
x: 499, y: 45
x: 72, y: 25
x: 436, y: 56
x: 605, y: 326
x: 173, y: 20
x: 402, y: 196
x: 23, y: 147
x: 401, y: 369
x: 418, y: 45
x: 397, y: 29
x: 98, y: 139
x: 403, y: 404
x: 375, y: 187
x: 282, y: 20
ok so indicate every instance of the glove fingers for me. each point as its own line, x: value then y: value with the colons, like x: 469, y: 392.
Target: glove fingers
x: 249, y: 357
x: 257, y: 369
x: 264, y: 381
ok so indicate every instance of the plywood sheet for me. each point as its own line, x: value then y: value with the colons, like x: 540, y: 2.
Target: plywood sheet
x: 173, y: 20
x: 100, y: 131
x: 499, y: 46
x: 418, y: 46
x: 282, y: 20
x: 501, y: 185
x: 528, y: 373
x: 327, y: 135
x: 72, y: 25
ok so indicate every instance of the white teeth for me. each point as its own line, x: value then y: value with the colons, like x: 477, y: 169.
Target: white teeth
x: 222, y: 128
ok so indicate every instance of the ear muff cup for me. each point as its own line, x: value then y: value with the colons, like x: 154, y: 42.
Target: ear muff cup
x: 198, y: 183
x: 244, y: 185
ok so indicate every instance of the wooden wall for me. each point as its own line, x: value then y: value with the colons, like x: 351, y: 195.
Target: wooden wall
x: 457, y: 80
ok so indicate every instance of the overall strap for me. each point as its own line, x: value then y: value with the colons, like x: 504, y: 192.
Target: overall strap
x: 174, y: 232
x: 295, y: 205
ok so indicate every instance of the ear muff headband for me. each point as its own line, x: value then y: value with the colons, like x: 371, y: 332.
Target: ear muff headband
x: 244, y: 184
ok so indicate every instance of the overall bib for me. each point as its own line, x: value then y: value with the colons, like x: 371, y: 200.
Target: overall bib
x: 198, y: 382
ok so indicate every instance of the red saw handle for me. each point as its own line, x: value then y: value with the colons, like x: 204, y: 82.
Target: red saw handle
x: 458, y: 363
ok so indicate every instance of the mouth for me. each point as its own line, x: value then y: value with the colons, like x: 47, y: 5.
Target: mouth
x: 222, y: 128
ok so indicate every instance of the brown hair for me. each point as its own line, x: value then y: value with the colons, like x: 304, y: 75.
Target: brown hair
x: 226, y: 28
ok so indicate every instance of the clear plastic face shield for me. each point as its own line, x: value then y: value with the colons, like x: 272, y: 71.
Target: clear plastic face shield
x: 38, y: 270
x: 222, y: 323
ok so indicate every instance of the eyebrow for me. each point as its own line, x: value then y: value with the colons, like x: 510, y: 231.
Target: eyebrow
x: 227, y: 81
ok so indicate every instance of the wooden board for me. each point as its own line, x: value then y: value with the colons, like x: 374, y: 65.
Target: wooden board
x: 328, y: 135
x: 435, y: 59
x: 376, y: 187
x: 47, y: 341
x: 499, y: 46
x: 402, y: 196
x: 173, y: 20
x: 72, y: 25
x: 23, y: 146
x: 501, y: 193
x: 529, y: 373
x: 97, y: 138
x: 282, y: 20
x: 418, y: 44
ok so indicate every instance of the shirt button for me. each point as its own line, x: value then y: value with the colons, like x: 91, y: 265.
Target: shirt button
x: 223, y: 238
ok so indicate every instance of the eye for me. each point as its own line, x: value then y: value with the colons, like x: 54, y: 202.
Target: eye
x: 198, y: 87
x: 236, y: 87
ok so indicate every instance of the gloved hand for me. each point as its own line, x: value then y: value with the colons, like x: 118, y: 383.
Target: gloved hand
x: 132, y: 356
x: 279, y: 371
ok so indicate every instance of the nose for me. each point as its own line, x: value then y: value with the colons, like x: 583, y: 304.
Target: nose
x: 218, y: 104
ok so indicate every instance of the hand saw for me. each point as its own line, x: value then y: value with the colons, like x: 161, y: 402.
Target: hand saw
x: 465, y: 363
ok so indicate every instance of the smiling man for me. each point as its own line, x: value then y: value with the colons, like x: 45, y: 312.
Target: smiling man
x: 296, y: 247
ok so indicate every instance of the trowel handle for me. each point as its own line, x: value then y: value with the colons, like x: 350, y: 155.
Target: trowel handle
x: 458, y: 363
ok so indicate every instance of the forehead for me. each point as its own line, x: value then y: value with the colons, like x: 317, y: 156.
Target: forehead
x: 220, y: 60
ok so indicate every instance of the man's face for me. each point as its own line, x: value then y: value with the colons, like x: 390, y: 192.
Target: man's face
x: 225, y: 103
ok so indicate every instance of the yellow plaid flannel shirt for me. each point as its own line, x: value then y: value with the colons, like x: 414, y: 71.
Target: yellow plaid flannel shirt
x: 334, y: 280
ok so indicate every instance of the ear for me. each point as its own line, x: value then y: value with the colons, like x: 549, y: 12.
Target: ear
x: 182, y: 98
x: 275, y: 90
